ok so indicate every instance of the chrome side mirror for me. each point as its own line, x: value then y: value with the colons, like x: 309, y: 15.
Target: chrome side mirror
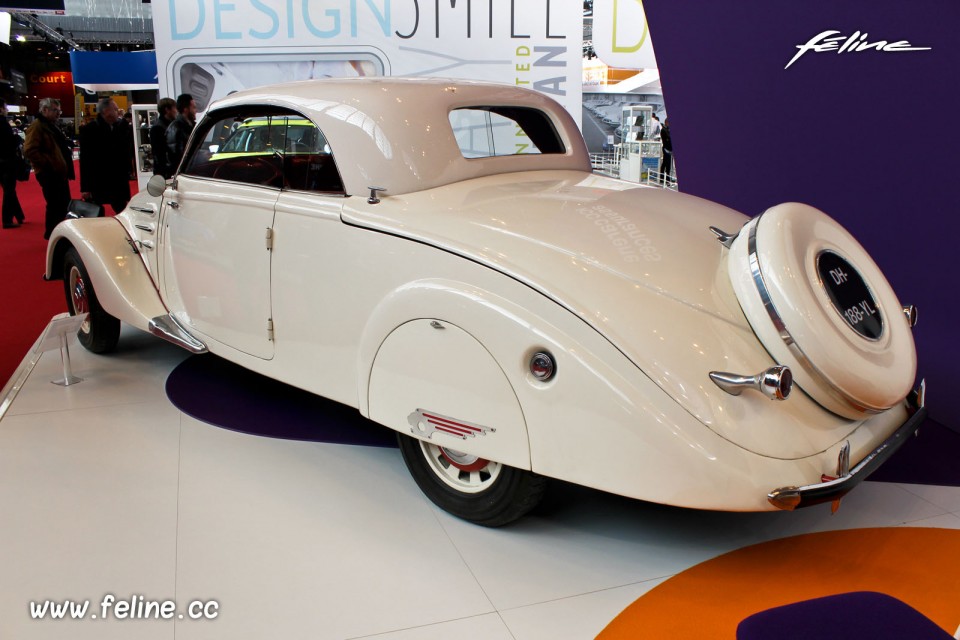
x: 156, y: 185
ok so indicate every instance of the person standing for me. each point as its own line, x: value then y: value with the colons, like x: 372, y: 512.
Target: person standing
x: 9, y: 145
x: 654, y: 127
x: 180, y: 129
x: 158, y: 138
x: 666, y: 162
x: 51, y: 155
x: 106, y: 157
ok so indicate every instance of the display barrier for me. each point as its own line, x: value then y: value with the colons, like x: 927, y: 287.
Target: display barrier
x: 60, y: 332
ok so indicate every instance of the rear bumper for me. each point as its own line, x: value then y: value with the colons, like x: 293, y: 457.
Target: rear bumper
x: 790, y: 498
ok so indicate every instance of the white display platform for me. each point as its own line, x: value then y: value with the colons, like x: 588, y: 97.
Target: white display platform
x: 107, y: 488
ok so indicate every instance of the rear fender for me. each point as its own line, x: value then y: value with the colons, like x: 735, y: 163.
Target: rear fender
x: 434, y: 351
x: 119, y: 277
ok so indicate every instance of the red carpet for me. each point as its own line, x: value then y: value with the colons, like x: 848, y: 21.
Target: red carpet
x: 26, y: 302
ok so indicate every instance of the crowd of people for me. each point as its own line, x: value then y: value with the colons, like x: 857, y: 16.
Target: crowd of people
x: 106, y: 156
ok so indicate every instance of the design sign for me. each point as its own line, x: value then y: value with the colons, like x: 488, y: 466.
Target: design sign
x: 212, y: 48
x: 850, y: 295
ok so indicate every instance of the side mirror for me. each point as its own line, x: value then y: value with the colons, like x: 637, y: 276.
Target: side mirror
x: 156, y: 185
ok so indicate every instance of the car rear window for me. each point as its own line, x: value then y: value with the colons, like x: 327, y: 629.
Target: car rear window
x: 484, y: 132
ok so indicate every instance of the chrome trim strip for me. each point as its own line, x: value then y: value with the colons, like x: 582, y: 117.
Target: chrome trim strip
x: 781, y: 328
x: 426, y: 423
x: 169, y: 329
x: 791, y: 498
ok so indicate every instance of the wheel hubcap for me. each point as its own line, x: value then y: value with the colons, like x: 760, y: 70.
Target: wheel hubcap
x: 462, y: 471
x: 78, y: 297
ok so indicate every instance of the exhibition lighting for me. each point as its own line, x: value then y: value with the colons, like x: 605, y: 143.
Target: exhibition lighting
x: 40, y: 28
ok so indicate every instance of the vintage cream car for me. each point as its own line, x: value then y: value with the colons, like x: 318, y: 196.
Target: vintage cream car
x: 439, y: 255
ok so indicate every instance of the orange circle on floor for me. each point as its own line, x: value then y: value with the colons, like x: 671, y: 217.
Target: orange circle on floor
x: 917, y: 566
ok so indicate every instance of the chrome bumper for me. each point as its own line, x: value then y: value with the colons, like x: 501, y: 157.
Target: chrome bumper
x: 790, y: 498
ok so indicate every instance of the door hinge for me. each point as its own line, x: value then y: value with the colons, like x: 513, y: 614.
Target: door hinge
x: 270, y: 329
x: 269, y: 239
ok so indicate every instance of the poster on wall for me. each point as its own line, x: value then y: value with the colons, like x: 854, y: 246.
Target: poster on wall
x: 211, y: 48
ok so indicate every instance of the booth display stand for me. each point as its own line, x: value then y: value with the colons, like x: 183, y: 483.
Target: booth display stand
x: 107, y: 489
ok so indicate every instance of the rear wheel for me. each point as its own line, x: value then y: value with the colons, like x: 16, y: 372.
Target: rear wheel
x: 481, y: 491
x: 100, y: 331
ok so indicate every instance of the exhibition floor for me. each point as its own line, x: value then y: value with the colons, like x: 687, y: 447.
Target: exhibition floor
x: 107, y: 488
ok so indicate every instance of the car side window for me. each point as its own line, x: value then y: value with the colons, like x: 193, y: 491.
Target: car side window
x: 483, y: 132
x: 307, y: 159
x: 240, y: 148
x: 281, y: 150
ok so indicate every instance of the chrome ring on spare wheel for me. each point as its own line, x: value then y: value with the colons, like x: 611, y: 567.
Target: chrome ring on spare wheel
x: 821, y: 305
x: 79, y: 297
x: 462, y: 471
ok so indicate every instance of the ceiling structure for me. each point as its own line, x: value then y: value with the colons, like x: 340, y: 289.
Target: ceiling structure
x: 88, y: 25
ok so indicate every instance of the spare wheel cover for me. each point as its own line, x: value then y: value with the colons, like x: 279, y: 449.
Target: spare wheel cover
x: 820, y: 305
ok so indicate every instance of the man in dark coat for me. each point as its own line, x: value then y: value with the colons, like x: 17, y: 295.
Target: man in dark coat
x: 106, y: 157
x: 51, y: 155
x: 158, y: 138
x: 180, y: 129
x: 9, y: 147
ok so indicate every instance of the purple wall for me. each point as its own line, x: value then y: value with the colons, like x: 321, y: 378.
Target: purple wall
x: 871, y: 138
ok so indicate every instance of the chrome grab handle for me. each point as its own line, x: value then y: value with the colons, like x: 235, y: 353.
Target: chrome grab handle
x: 147, y: 210
x: 144, y: 227
x: 145, y: 244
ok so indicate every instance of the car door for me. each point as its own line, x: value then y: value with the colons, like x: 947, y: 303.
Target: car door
x: 217, y: 227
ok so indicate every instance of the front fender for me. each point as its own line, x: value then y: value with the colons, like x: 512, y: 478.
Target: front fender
x: 121, y: 281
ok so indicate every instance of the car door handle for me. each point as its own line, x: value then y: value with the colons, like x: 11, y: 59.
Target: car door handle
x: 174, y: 204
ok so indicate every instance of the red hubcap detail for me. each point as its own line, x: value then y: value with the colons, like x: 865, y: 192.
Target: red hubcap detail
x: 80, y: 298
x: 476, y: 465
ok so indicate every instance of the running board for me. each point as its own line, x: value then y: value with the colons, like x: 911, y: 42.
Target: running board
x: 169, y: 329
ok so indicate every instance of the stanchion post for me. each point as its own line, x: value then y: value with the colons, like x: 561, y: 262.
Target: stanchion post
x: 68, y: 377
x: 59, y: 332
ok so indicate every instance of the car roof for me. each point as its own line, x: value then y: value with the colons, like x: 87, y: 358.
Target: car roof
x: 394, y: 132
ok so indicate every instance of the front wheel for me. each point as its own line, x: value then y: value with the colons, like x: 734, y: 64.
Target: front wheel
x: 481, y: 491
x: 100, y: 331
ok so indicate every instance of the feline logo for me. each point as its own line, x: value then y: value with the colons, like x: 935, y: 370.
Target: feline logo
x: 831, y: 40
